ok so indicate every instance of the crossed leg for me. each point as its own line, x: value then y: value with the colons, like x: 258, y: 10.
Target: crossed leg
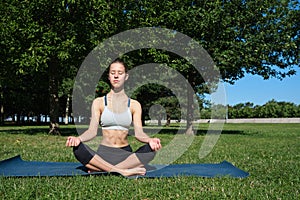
x: 125, y: 168
x: 124, y: 158
x: 130, y: 166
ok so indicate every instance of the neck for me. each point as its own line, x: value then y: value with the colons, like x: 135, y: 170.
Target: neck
x: 118, y: 92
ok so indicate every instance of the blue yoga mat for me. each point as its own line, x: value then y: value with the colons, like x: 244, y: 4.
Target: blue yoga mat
x: 16, y: 167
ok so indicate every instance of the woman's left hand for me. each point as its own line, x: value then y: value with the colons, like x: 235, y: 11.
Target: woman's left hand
x: 155, y: 144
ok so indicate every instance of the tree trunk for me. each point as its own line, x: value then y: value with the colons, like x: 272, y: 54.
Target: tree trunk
x: 19, y: 118
x: 67, y: 110
x: 159, y: 120
x: 190, y: 113
x: 53, y: 97
x: 1, y: 108
x: 168, y: 120
x: 38, y: 120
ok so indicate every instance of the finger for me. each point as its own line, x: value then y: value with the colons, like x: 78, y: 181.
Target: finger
x: 71, y: 142
x: 68, y: 142
x: 158, y: 147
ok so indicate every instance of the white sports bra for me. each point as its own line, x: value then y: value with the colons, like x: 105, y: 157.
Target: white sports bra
x: 115, y: 121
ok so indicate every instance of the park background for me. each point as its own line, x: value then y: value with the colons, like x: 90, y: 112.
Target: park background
x: 43, y: 44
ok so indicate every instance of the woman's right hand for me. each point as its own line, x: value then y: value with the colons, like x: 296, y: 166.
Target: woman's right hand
x: 73, y: 141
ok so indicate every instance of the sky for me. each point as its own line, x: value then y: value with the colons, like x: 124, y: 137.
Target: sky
x: 254, y: 89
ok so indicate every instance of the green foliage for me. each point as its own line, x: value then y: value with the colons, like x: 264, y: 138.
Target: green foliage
x: 271, y: 109
x: 52, y: 38
x: 102, y: 89
x: 241, y: 36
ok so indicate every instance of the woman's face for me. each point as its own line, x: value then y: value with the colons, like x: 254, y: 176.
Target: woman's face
x: 117, y: 75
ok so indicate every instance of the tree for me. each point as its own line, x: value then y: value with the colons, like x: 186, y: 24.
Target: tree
x: 53, y: 38
x: 256, y: 37
x: 241, y: 36
x: 271, y: 109
x: 241, y: 110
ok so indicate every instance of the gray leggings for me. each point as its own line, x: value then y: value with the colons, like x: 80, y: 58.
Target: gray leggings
x: 84, y: 153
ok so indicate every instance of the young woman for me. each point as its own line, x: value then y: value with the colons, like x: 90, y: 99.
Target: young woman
x: 115, y: 112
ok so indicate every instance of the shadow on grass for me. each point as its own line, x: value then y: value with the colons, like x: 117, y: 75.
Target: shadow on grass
x: 40, y: 130
x: 66, y: 131
x: 173, y: 131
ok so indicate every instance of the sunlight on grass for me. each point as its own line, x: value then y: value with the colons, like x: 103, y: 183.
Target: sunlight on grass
x: 269, y: 152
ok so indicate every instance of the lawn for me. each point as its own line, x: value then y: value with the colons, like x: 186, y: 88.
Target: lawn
x: 269, y: 152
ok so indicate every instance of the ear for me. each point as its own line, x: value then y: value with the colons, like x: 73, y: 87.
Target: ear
x: 126, y: 76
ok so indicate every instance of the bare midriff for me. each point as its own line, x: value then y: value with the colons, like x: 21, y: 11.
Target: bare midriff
x: 114, y: 138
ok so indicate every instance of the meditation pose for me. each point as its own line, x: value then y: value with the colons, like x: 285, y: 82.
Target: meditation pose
x: 115, y: 112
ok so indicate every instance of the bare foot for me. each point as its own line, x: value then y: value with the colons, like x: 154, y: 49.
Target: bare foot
x: 130, y: 172
x: 92, y: 170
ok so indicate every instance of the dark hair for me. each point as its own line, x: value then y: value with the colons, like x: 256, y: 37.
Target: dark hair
x: 119, y: 60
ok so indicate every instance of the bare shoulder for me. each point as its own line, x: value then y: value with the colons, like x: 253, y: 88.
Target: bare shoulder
x: 98, y: 100
x: 134, y: 102
x: 98, y: 103
x: 135, y: 105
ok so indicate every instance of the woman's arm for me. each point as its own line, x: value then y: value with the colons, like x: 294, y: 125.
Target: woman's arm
x: 91, y: 132
x: 138, y: 127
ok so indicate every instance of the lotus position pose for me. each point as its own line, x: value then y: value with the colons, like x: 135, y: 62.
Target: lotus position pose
x: 115, y: 112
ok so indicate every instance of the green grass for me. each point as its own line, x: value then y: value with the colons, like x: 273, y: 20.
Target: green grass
x: 269, y: 152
